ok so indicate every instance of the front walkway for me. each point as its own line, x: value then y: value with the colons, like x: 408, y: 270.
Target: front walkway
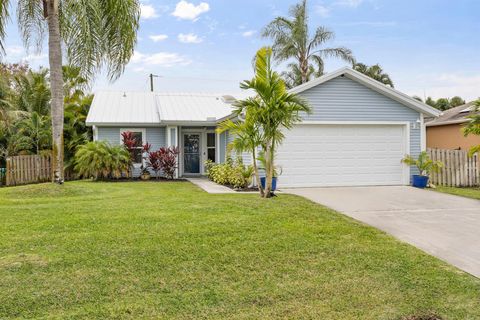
x: 209, y: 186
x: 443, y: 225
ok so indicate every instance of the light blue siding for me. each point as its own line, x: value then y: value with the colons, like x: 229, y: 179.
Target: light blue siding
x: 343, y: 99
x: 155, y: 136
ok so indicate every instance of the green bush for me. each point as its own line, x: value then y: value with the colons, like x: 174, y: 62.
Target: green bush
x: 99, y: 160
x: 231, y: 173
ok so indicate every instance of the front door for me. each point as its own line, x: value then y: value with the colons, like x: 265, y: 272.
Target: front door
x: 191, y: 153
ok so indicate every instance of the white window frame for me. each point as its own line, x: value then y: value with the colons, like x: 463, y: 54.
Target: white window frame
x: 214, y: 147
x: 143, y: 131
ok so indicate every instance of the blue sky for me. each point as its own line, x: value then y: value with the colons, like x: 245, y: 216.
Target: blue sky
x: 428, y: 47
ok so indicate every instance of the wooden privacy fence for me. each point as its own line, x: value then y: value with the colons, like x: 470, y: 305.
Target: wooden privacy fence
x: 28, y: 169
x: 459, y: 169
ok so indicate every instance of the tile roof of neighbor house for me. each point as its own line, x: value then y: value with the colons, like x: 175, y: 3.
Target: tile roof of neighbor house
x: 452, y: 116
x: 149, y: 108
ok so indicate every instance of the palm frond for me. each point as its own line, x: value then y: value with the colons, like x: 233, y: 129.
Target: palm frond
x: 32, y: 23
x: 4, y: 19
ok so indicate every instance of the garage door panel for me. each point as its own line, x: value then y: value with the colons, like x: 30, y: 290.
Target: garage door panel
x: 342, y: 155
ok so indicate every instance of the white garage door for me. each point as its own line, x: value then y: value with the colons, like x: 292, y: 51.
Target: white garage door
x: 343, y: 155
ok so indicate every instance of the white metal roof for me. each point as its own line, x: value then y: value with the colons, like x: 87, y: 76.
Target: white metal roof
x: 118, y: 107
x: 148, y: 108
x: 192, y: 107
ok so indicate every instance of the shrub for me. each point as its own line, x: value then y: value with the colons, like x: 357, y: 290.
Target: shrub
x: 153, y: 162
x: 168, y: 161
x: 424, y: 164
x: 165, y: 159
x: 231, y: 173
x: 99, y: 160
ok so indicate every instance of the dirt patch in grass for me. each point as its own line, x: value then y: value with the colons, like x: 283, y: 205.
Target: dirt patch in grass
x: 14, y: 261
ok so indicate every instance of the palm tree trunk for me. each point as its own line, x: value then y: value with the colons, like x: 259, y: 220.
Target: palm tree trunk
x: 268, y: 175
x: 304, y: 70
x: 56, y: 87
x: 257, y: 174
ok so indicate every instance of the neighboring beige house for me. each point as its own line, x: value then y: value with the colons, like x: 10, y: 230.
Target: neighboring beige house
x: 445, y: 132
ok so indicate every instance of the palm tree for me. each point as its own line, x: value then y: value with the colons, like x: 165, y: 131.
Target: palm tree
x: 36, y: 132
x: 273, y: 109
x: 94, y: 33
x: 32, y: 92
x: 375, y: 72
x: 292, y: 40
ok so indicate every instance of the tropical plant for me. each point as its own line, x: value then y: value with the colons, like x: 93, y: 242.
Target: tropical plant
x: 231, y: 173
x: 375, y: 72
x: 246, y: 132
x: 32, y: 92
x: 153, y: 162
x: 99, y: 160
x: 445, y: 103
x: 76, y: 132
x: 273, y: 109
x: 277, y: 171
x: 473, y: 126
x: 94, y: 33
x: 35, y: 130
x: 168, y: 161
x: 292, y: 40
x: 424, y: 164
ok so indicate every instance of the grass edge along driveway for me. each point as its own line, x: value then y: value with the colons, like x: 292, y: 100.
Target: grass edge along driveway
x: 473, y: 193
x: 169, y: 250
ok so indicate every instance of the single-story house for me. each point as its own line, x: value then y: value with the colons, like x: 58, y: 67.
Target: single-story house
x: 445, y: 132
x: 357, y: 134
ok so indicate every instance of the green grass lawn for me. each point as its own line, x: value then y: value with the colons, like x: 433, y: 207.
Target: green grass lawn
x: 473, y: 193
x: 168, y: 250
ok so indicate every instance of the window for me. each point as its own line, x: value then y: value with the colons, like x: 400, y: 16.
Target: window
x: 211, y: 146
x: 139, y: 136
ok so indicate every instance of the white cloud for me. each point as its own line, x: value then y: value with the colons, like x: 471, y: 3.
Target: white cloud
x: 249, y: 33
x: 450, y: 85
x: 322, y: 11
x: 158, y: 37
x: 163, y: 59
x: 189, y: 38
x: 445, y: 85
x: 35, y: 57
x: 148, y: 11
x: 189, y: 11
x: 348, y: 3
x: 14, y: 51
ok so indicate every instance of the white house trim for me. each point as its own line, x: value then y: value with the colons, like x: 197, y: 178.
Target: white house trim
x: 95, y: 133
x: 356, y: 122
x: 423, y: 133
x: 144, y: 139
x: 372, y: 84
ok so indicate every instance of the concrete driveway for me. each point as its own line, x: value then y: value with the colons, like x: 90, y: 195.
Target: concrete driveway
x: 443, y: 225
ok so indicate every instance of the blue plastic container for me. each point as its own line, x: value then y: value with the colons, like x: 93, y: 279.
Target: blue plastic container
x: 274, y: 182
x: 420, y: 181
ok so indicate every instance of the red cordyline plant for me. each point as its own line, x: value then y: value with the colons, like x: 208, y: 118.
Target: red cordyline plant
x: 153, y: 162
x: 130, y: 142
x: 168, y: 161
